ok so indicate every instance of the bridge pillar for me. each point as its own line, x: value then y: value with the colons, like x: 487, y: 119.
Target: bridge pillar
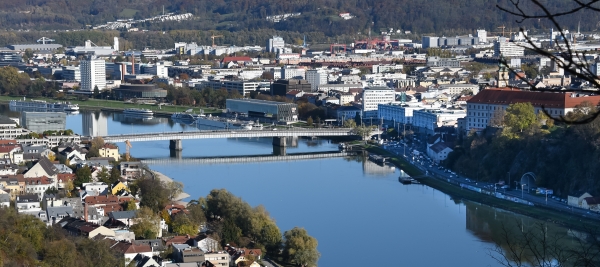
x: 175, y: 144
x: 279, y: 150
x: 176, y: 154
x: 279, y: 141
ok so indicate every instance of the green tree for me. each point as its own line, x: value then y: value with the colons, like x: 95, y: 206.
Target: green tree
x: 230, y: 233
x: 520, y: 116
x: 131, y: 205
x: 115, y: 175
x: 82, y: 175
x: 174, y: 189
x: 349, y: 123
x: 104, y: 176
x: 60, y: 253
x: 196, y: 210
x: 309, y: 121
x: 183, y: 225
x: 300, y: 248
x: 147, y: 224
x: 96, y: 91
x: 358, y: 119
x: 154, y: 194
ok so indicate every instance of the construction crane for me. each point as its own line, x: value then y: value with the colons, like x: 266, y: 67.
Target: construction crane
x: 510, y: 32
x: 213, y: 39
x: 127, y: 147
x: 43, y: 40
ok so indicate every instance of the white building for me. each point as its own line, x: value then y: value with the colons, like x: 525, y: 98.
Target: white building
x: 316, y: 78
x: 159, y: 69
x: 373, y: 96
x: 428, y: 119
x: 482, y: 36
x: 508, y: 49
x: 93, y: 73
x: 456, y: 89
x: 430, y: 41
x: 275, y: 44
x: 397, y: 113
x: 292, y: 73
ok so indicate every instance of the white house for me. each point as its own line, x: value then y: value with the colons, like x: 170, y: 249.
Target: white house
x: 577, y: 198
x: 4, y: 200
x: 439, y: 151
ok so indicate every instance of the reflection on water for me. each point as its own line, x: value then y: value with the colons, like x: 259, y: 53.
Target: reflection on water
x: 137, y: 120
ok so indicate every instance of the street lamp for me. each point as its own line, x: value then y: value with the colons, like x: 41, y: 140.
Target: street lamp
x: 522, y: 189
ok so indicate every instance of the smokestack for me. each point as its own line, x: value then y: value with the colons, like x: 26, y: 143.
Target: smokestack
x: 85, y: 211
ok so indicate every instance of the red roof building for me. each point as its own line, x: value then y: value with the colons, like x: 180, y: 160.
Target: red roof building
x: 482, y: 107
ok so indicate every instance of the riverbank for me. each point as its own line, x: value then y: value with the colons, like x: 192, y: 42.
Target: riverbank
x: 113, y: 105
x: 538, y: 212
x: 167, y: 179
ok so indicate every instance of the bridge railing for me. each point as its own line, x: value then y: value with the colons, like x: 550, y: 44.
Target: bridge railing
x: 293, y: 130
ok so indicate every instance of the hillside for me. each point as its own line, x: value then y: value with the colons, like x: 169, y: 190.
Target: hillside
x: 424, y: 16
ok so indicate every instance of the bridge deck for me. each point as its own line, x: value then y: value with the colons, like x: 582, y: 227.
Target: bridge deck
x: 248, y: 159
x: 141, y: 137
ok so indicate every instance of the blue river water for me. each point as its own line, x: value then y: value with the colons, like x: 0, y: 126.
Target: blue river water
x: 356, y: 209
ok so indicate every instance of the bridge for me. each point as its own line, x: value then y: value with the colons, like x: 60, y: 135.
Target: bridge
x: 247, y: 159
x: 279, y: 136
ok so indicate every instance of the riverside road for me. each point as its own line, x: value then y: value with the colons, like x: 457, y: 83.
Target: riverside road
x: 459, y: 179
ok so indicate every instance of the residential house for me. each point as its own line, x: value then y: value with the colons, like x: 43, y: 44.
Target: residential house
x: 4, y: 201
x: 62, y: 168
x: 157, y: 245
x: 117, y: 187
x: 173, y: 209
x: 38, y: 185
x: 577, y: 198
x: 207, y: 244
x: 126, y: 217
x: 130, y: 170
x: 243, y: 254
x: 56, y: 214
x: 8, y: 168
x: 439, y: 151
x: 41, y: 150
x: 78, y: 227
x: 11, y: 149
x: 14, y: 185
x: 75, y: 155
x: 63, y: 179
x: 110, y: 151
x: 141, y: 260
x: 44, y: 167
x: 130, y: 251
x: 28, y: 202
x: 99, y: 187
x: 591, y: 203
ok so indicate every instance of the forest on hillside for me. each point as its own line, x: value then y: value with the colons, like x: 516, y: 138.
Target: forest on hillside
x: 422, y: 17
x: 565, y: 158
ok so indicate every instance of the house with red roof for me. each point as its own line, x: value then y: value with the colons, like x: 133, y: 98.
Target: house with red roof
x: 235, y: 62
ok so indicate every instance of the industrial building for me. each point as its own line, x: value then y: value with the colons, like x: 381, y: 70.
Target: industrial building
x: 44, y: 121
x: 275, y: 44
x: 282, y: 87
x: 128, y: 91
x: 277, y: 111
x: 35, y: 47
x: 91, y: 48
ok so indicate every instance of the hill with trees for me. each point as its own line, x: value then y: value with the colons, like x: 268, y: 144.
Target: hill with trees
x: 563, y: 157
x: 319, y: 18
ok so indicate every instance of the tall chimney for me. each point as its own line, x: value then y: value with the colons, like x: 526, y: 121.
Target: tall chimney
x: 132, y: 64
x: 85, y: 211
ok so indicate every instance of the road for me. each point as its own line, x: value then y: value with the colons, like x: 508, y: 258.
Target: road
x: 442, y: 174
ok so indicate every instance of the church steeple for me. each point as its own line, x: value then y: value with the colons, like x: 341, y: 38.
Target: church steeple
x: 502, y: 72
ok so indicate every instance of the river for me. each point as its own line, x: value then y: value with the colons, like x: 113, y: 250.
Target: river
x: 357, y: 210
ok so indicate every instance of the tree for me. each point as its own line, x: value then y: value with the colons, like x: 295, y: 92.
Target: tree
x: 230, y: 233
x: 115, y: 175
x: 520, y: 116
x: 358, y: 119
x: 196, y: 210
x: 175, y: 189
x: 82, y: 175
x: 104, y: 176
x: 183, y: 225
x: 349, y: 123
x: 309, y: 121
x: 131, y: 205
x: 153, y: 193
x: 147, y: 223
x: 69, y: 187
x: 96, y: 91
x: 60, y: 253
x: 97, y: 142
x: 300, y: 248
x: 364, y: 131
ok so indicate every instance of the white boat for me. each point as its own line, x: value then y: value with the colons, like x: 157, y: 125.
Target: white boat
x: 43, y: 105
x: 138, y: 112
x: 222, y: 123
